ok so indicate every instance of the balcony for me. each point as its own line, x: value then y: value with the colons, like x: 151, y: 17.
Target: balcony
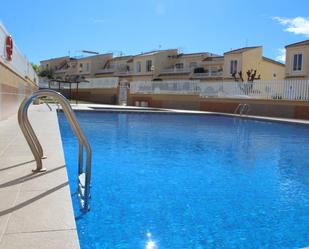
x: 175, y: 70
x: 124, y: 73
x: 207, y: 74
x: 106, y: 71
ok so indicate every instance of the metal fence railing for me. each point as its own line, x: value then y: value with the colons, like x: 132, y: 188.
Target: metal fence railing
x: 186, y: 87
x: 274, y: 89
x: 102, y: 83
x: 111, y: 82
x: 19, y: 62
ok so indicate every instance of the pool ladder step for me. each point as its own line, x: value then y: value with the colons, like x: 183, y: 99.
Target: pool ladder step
x: 81, y: 186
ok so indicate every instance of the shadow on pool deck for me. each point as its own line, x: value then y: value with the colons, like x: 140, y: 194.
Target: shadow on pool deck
x: 35, y: 209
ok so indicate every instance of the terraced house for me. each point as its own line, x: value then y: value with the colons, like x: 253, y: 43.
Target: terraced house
x: 169, y: 65
x: 297, y: 60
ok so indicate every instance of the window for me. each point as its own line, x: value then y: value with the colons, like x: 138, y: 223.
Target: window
x: 179, y: 66
x: 148, y: 65
x: 297, y: 62
x: 233, y: 66
x: 87, y: 67
x: 138, y: 67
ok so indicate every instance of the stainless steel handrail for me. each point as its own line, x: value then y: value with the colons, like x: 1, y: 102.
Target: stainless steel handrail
x: 237, y: 108
x: 242, y: 109
x: 245, y: 109
x: 36, y: 147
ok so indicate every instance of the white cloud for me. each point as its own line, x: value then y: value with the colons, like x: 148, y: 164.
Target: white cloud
x: 281, y: 55
x: 298, y: 25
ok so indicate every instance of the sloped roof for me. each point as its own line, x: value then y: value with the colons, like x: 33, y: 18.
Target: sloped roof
x: 273, y: 61
x: 302, y: 43
x: 155, y: 52
x: 210, y: 58
x: 57, y: 58
x: 119, y: 58
x: 241, y: 50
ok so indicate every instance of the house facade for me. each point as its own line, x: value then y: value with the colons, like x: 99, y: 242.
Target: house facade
x: 66, y: 67
x: 251, y: 59
x: 171, y: 65
x: 297, y: 61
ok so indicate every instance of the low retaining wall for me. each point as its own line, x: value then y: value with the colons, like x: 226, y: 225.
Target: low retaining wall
x: 101, y: 96
x: 13, y: 89
x: 270, y: 108
x: 184, y: 102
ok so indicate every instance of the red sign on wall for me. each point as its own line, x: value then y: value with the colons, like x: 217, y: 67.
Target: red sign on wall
x: 9, y: 48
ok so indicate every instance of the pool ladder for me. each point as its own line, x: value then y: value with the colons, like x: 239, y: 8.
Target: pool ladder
x: 84, y: 174
x: 242, y: 109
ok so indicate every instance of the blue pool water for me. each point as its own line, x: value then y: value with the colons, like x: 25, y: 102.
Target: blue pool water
x: 191, y: 181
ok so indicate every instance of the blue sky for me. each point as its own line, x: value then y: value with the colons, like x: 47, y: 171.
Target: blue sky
x: 46, y: 29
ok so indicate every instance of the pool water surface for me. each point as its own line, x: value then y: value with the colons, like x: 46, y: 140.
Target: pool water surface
x: 171, y: 181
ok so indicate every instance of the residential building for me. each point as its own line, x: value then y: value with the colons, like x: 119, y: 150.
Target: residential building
x: 183, y: 66
x: 251, y: 58
x: 297, y: 60
x: 150, y: 65
x: 170, y: 65
x: 66, y: 67
x: 117, y: 66
x: 144, y: 66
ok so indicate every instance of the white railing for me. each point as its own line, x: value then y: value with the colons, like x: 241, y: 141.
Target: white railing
x: 208, y: 74
x: 102, y: 83
x: 19, y: 62
x: 274, y: 89
x: 123, y: 73
x: 111, y: 82
x: 281, y: 89
x: 176, y: 70
x: 43, y: 83
x: 190, y: 87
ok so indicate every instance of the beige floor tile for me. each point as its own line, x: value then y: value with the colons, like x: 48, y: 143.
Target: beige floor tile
x: 42, y: 211
x: 7, y: 201
x: 35, y: 209
x: 53, y: 177
x: 13, y: 175
x: 42, y: 240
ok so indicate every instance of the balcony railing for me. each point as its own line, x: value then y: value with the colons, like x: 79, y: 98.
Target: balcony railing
x: 175, y: 70
x: 62, y: 70
x: 189, y: 87
x: 208, y: 74
x: 124, y: 73
x: 106, y: 70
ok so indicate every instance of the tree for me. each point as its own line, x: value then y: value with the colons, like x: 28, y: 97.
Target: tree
x: 251, y: 76
x: 36, y: 67
x: 48, y: 73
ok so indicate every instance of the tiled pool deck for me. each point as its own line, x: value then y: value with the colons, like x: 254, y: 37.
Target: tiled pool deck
x: 36, y: 209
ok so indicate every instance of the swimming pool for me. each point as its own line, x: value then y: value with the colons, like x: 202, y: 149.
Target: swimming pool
x: 191, y: 181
